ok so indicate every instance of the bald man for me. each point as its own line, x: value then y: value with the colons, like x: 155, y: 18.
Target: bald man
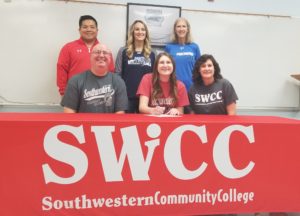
x: 96, y: 90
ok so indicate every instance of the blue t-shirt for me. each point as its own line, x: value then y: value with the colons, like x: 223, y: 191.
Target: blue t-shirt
x: 132, y: 70
x: 185, y: 56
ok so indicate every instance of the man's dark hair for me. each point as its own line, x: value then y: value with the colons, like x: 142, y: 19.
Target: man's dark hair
x: 87, y: 17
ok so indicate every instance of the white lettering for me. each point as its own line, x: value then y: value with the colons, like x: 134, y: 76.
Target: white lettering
x: 231, y: 195
x: 172, y: 152
x: 219, y: 95
x: 221, y: 153
x: 66, y: 153
x: 131, y: 149
x: 132, y: 152
x: 205, y: 98
x: 213, y: 96
x: 47, y: 204
x: 197, y: 98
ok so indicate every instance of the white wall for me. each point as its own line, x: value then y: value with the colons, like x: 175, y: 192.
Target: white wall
x: 256, y: 53
x: 33, y: 33
x: 274, y: 7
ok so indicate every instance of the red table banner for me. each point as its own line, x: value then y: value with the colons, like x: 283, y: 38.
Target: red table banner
x: 105, y: 164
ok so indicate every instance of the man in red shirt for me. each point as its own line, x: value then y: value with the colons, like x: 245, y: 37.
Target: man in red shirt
x: 74, y: 57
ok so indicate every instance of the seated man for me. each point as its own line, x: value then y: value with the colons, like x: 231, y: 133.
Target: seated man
x: 96, y: 90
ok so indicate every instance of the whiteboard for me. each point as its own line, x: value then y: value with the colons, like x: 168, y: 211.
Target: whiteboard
x: 256, y: 53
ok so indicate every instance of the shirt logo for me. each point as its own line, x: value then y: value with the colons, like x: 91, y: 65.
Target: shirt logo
x: 215, y: 97
x: 99, y: 96
x: 140, y: 61
x: 185, y: 54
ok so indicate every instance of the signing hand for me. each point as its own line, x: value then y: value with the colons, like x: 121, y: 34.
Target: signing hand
x: 158, y: 110
x: 173, y: 111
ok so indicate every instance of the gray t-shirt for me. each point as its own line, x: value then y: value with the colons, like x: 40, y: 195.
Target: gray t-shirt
x: 212, y: 99
x: 88, y: 93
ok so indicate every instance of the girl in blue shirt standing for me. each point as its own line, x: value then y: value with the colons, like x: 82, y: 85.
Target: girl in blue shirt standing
x: 184, y: 51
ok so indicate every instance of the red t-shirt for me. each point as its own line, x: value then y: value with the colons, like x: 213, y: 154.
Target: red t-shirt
x: 145, y: 88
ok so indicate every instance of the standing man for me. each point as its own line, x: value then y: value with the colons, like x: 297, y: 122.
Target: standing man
x: 96, y: 90
x: 74, y: 57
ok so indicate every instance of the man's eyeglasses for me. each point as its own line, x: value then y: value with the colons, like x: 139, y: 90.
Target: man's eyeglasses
x: 99, y: 52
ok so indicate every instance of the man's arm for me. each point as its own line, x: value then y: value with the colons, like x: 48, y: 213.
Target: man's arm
x: 69, y: 110
x: 121, y: 100
x: 62, y: 70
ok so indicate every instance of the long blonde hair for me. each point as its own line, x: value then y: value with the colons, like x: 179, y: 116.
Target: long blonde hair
x: 130, y: 41
x: 188, y: 38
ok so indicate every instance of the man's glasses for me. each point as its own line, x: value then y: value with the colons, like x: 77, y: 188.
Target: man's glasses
x: 99, y: 52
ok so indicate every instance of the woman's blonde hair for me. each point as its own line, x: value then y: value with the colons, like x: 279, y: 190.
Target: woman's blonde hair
x: 188, y: 38
x: 130, y: 41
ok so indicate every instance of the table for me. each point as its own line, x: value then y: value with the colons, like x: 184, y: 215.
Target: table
x: 133, y: 164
